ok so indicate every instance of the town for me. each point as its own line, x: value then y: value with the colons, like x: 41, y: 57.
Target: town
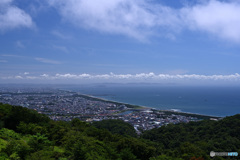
x: 66, y: 105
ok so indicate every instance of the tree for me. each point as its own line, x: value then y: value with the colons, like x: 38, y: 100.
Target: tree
x: 116, y: 127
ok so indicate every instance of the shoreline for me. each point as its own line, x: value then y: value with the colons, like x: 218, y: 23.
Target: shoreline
x: 139, y: 108
x: 189, y: 113
x: 116, y: 102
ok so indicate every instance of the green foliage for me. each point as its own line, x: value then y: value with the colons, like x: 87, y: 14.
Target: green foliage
x: 9, y: 134
x: 41, y: 155
x: 57, y: 130
x: 25, y: 134
x: 89, y: 148
x: 140, y: 149
x: 3, y: 144
x: 38, y: 142
x: 127, y: 154
x: 31, y: 128
x: 197, y: 139
x: 4, y: 156
x: 116, y: 127
x: 79, y: 125
x: 1, y: 124
x: 17, y: 149
x: 13, y: 115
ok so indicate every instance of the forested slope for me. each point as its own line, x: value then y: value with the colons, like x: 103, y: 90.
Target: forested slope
x: 198, y: 138
x: 25, y: 134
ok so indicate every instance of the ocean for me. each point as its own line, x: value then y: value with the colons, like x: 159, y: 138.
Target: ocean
x: 206, y: 100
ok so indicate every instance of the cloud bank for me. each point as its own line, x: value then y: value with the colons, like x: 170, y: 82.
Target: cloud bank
x: 12, y: 17
x: 133, y: 77
x: 142, y: 18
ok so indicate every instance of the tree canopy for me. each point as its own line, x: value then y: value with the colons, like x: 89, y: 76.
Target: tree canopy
x: 26, y: 134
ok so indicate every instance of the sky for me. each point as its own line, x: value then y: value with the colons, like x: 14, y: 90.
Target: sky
x: 91, y: 41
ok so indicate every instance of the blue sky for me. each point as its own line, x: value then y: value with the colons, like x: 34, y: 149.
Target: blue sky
x: 78, y: 41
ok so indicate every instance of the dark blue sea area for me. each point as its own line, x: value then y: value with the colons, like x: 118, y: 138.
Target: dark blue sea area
x: 207, y: 100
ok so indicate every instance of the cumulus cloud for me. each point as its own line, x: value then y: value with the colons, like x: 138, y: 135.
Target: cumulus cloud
x: 18, y: 77
x: 13, y: 17
x: 219, y: 18
x: 26, y: 73
x: 134, y: 18
x: 133, y: 77
x: 142, y: 18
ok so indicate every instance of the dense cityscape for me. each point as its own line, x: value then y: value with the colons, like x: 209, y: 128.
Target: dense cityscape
x: 66, y: 105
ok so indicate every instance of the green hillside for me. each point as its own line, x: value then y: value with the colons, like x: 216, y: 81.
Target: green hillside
x: 25, y: 134
x: 198, y: 138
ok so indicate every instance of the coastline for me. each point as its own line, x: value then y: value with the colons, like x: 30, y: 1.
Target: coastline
x: 142, y: 108
x: 132, y: 106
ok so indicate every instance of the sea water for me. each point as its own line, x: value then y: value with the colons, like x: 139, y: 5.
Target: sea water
x: 215, y: 101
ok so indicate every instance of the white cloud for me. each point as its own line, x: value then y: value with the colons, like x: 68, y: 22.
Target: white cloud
x: 4, y: 2
x: 18, y: 77
x: 135, y: 18
x: 44, y: 75
x: 31, y: 77
x: 221, y: 19
x: 13, y: 17
x: 26, y: 73
x: 142, y: 18
x: 134, y: 77
x: 43, y: 60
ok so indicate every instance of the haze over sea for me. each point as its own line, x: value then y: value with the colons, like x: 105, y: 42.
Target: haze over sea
x: 207, y: 100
